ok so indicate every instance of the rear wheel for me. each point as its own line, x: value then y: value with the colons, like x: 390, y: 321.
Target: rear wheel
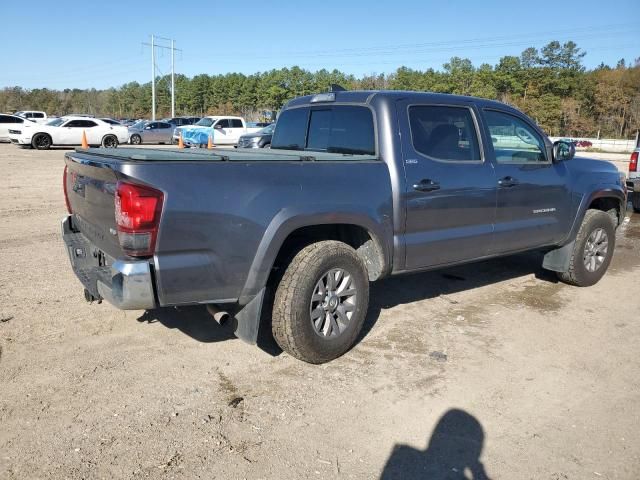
x: 267, y: 145
x: 635, y: 201
x: 321, y: 302
x: 136, y: 139
x: 110, y: 141
x: 41, y: 141
x: 592, y: 250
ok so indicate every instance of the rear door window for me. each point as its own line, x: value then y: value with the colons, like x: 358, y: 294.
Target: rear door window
x: 444, y: 133
x: 236, y: 123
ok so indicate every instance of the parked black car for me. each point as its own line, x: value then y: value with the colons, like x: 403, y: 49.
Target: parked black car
x: 259, y: 139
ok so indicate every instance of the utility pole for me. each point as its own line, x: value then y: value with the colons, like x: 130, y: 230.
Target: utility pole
x: 153, y: 80
x: 173, y: 79
x: 173, y: 49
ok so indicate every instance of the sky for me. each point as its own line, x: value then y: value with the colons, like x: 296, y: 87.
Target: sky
x: 83, y: 44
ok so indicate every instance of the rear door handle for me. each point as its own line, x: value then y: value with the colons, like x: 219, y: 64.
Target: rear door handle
x: 426, y: 185
x: 508, y: 182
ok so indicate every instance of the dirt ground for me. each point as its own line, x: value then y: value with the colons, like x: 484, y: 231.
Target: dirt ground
x: 489, y: 370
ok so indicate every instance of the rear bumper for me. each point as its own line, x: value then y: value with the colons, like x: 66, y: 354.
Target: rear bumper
x: 127, y: 285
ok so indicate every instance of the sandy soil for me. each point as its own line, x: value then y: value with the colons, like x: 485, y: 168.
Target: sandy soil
x: 490, y: 369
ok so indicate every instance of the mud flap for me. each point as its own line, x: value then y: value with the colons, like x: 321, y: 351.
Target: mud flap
x: 248, y: 319
x: 558, y: 260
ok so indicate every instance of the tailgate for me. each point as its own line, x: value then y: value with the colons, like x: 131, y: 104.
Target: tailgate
x: 90, y: 187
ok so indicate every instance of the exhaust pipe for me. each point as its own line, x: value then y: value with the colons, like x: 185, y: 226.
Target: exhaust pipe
x: 218, y: 315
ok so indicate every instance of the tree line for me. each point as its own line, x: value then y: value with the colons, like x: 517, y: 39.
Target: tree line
x: 549, y: 84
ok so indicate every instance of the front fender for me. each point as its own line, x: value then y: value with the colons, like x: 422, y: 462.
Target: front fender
x: 601, y: 191
x: 290, y: 219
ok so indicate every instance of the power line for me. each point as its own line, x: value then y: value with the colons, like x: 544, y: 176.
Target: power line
x: 173, y: 49
x: 481, y: 42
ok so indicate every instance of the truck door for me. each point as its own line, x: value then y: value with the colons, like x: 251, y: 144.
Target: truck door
x: 237, y: 129
x: 71, y: 132
x: 222, y: 132
x: 450, y: 198
x: 533, y: 206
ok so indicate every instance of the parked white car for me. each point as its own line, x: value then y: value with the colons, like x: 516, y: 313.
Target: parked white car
x: 226, y: 130
x: 10, y: 122
x: 68, y: 131
x: 33, y: 115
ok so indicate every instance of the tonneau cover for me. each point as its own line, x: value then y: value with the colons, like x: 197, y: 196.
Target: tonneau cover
x: 235, y: 155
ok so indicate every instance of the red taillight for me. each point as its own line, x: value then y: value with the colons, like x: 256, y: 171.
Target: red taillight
x: 633, y: 163
x: 137, y: 217
x: 64, y: 188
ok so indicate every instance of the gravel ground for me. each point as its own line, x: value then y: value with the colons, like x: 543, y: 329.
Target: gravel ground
x: 492, y: 369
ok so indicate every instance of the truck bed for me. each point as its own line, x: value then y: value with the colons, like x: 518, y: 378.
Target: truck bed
x: 225, y: 212
x: 235, y: 155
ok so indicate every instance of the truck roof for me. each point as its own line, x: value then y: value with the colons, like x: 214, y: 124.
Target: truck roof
x: 367, y: 97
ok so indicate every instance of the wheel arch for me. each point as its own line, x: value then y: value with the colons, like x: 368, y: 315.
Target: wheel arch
x: 285, y: 236
x: 604, y: 199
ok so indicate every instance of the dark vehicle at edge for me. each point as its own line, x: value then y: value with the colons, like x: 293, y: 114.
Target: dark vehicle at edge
x: 259, y: 139
x: 356, y: 187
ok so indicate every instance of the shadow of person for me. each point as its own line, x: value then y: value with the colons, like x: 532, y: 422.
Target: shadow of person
x: 453, y: 452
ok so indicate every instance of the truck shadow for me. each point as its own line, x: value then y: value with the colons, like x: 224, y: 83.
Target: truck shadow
x: 196, y: 322
x: 391, y: 292
x: 453, y: 452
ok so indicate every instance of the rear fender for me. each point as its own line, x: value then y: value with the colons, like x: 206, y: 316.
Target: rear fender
x: 290, y: 219
x: 283, y: 224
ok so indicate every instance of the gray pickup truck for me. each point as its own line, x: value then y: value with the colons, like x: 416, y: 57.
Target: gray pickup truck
x: 357, y: 186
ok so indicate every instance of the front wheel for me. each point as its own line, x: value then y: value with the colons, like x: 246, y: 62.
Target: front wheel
x: 136, y: 139
x: 592, y: 250
x: 321, y: 302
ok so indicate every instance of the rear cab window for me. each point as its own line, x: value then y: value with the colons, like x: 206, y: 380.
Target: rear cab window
x: 328, y: 128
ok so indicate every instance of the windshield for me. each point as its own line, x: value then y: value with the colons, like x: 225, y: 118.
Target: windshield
x: 268, y: 130
x: 138, y: 124
x: 205, y: 122
x: 57, y: 122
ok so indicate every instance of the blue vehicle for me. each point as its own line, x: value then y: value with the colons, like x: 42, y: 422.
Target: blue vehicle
x: 357, y: 186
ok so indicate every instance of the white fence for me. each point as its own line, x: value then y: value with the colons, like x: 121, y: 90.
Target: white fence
x: 606, y: 144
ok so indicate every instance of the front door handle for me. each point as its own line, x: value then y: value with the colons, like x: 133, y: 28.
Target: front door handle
x: 426, y: 185
x: 508, y: 182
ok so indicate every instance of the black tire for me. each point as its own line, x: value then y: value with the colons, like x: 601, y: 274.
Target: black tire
x: 635, y: 201
x: 110, y: 141
x: 266, y: 145
x: 292, y: 324
x: 578, y: 273
x: 136, y: 139
x: 41, y: 141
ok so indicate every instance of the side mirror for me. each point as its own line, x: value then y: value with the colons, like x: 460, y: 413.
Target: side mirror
x: 147, y: 128
x: 218, y: 126
x: 563, y: 151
